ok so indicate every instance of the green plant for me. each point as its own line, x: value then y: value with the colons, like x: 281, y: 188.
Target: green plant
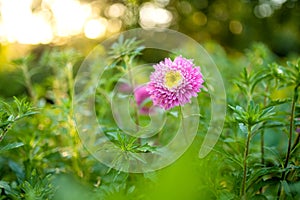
x: 11, y: 113
x: 256, y: 157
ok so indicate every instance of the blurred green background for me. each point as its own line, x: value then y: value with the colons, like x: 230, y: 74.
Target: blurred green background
x: 37, y: 25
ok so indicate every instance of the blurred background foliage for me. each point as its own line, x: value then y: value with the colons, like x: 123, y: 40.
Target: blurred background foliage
x: 234, y: 24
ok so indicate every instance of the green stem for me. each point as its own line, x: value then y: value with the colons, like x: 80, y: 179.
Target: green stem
x: 298, y: 134
x: 182, y: 122
x: 296, y: 142
x: 70, y: 78
x: 262, y: 147
x: 262, y: 152
x: 246, y: 152
x: 75, y: 142
x: 290, y: 134
x: 262, y: 136
x: 3, y: 134
x: 135, y: 106
x: 262, y: 140
x: 6, y: 129
x: 28, y: 83
x: 295, y: 98
x: 291, y: 130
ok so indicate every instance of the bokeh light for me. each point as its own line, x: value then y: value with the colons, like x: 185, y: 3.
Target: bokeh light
x: 199, y: 18
x: 69, y: 16
x: 114, y: 25
x: 42, y: 22
x: 20, y: 24
x: 229, y: 22
x: 152, y: 16
x: 116, y: 10
x: 235, y: 27
x: 263, y: 10
x: 95, y: 28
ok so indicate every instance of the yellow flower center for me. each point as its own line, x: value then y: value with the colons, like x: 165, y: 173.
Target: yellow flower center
x: 173, y: 79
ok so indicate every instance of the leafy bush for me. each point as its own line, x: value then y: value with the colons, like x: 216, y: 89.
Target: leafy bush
x: 257, y: 156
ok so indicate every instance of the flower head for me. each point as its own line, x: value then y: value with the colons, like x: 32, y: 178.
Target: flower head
x: 298, y: 129
x: 124, y: 88
x: 141, y: 96
x: 174, y: 83
x: 297, y: 121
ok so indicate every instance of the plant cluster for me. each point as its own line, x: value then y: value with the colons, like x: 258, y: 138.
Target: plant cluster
x: 256, y: 157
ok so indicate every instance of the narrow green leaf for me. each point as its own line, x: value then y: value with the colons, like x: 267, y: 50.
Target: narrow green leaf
x: 286, y: 187
x: 11, y: 146
x: 259, y: 197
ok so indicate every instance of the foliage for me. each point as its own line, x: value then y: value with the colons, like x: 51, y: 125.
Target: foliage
x: 41, y: 155
x: 9, y: 114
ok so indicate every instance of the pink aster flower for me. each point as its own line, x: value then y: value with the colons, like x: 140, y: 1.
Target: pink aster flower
x: 124, y: 88
x: 141, y: 95
x: 174, y: 83
x: 298, y: 129
x: 297, y: 125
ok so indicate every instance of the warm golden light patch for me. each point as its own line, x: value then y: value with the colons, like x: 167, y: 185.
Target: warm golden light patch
x: 173, y: 79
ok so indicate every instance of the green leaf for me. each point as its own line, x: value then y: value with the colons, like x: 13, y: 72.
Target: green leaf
x: 229, y: 140
x: 243, y: 128
x: 8, y: 108
x: 4, y: 124
x: 4, y: 185
x: 286, y: 188
x: 173, y: 114
x: 125, y: 51
x: 131, y: 189
x: 11, y: 146
x: 146, y: 103
x: 226, y: 195
x: 278, y: 102
x: 17, y: 169
x: 151, y: 176
x: 259, y: 197
x: 146, y: 148
x: 260, y: 174
x: 8, y: 190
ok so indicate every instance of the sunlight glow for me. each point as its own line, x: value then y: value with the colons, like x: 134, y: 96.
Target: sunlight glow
x: 114, y: 25
x: 69, y: 16
x: 116, y: 10
x: 95, y: 28
x: 24, y: 27
x: 44, y: 21
x: 152, y: 16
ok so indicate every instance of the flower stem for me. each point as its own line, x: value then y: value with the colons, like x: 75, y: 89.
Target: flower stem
x: 296, y: 141
x: 246, y: 152
x: 182, y: 122
x: 135, y: 106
